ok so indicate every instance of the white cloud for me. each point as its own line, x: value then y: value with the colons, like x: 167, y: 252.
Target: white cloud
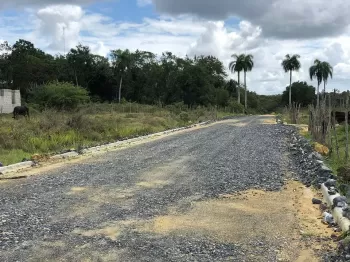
x: 61, y: 25
x: 182, y: 35
x: 278, y: 18
x: 144, y: 2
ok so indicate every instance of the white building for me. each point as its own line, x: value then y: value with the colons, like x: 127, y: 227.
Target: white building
x: 9, y: 99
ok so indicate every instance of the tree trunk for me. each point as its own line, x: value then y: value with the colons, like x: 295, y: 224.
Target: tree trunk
x: 245, y: 90
x: 238, y: 89
x: 120, y: 89
x: 324, y: 90
x: 334, y: 130
x: 76, y: 78
x: 347, y: 127
x: 318, y: 95
x: 290, y: 90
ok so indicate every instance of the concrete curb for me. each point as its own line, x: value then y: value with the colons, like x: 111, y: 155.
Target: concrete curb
x: 94, y: 150
x: 67, y: 155
x: 337, y: 212
x: 16, y: 167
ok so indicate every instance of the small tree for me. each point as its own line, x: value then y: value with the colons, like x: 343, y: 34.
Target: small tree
x: 59, y: 95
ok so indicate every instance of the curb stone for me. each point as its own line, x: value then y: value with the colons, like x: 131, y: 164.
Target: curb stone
x: 97, y: 149
x: 16, y: 167
x: 337, y: 212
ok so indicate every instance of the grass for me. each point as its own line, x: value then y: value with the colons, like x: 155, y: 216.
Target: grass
x: 303, y: 117
x: 51, y: 131
x: 333, y: 160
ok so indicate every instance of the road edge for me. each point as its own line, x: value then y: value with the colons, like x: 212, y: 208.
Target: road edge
x: 5, y: 171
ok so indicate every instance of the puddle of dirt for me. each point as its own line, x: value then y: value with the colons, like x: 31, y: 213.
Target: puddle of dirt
x: 248, y: 215
x: 240, y: 218
x: 269, y: 121
x: 76, y: 190
x: 110, y: 230
x: 163, y: 175
x: 94, y: 198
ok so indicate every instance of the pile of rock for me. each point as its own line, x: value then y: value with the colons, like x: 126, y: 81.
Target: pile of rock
x: 311, y: 169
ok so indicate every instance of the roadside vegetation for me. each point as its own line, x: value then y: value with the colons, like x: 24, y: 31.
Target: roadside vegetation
x: 81, y: 99
x: 50, y: 131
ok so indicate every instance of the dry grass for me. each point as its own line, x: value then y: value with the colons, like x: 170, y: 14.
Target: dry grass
x: 51, y: 131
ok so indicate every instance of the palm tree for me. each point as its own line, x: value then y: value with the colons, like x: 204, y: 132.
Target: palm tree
x: 247, y: 65
x: 290, y: 64
x: 327, y: 71
x: 236, y: 66
x: 321, y: 71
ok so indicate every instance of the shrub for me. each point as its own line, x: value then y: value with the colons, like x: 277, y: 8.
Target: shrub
x: 59, y: 95
x: 235, y: 107
x: 222, y: 97
x: 184, y: 117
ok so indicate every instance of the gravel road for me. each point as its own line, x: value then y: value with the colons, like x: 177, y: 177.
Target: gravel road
x: 167, y: 200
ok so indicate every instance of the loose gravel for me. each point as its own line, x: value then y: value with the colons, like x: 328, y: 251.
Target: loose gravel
x: 38, y: 215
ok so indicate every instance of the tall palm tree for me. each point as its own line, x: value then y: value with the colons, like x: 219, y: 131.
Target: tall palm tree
x: 290, y: 64
x: 321, y: 71
x: 327, y: 71
x: 247, y: 65
x: 236, y: 66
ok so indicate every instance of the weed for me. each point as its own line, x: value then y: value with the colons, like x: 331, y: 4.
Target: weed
x: 53, y: 131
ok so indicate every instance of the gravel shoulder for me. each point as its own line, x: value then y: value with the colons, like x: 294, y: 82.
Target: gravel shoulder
x: 220, y: 193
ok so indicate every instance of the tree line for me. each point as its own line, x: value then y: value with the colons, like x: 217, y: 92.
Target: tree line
x: 139, y: 76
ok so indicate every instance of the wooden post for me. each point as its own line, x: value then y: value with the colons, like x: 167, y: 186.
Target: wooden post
x: 347, y: 127
x: 335, y: 131
x: 329, y: 122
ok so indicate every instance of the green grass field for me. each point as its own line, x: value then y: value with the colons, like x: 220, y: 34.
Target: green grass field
x: 51, y: 131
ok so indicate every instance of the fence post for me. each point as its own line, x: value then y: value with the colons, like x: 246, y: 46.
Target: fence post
x: 347, y: 126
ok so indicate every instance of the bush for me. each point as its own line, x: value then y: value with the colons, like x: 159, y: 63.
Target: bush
x: 184, y: 117
x: 235, y: 107
x: 222, y: 97
x: 59, y: 95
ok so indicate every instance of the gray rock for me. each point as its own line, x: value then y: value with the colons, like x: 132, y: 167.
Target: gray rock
x: 325, y: 168
x: 318, y: 156
x: 330, y: 183
x: 328, y: 218
x: 339, y: 200
x: 332, y: 192
x: 316, y: 201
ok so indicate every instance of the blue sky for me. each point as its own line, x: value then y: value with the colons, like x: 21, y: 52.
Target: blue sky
x: 123, y: 10
x: 193, y: 27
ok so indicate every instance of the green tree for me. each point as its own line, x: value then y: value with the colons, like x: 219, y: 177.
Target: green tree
x: 321, y: 71
x: 122, y: 61
x: 61, y: 96
x: 327, y: 71
x: 247, y: 64
x: 290, y: 64
x: 236, y: 66
x: 5, y: 65
x: 303, y: 93
x: 29, y: 66
x: 80, y: 61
